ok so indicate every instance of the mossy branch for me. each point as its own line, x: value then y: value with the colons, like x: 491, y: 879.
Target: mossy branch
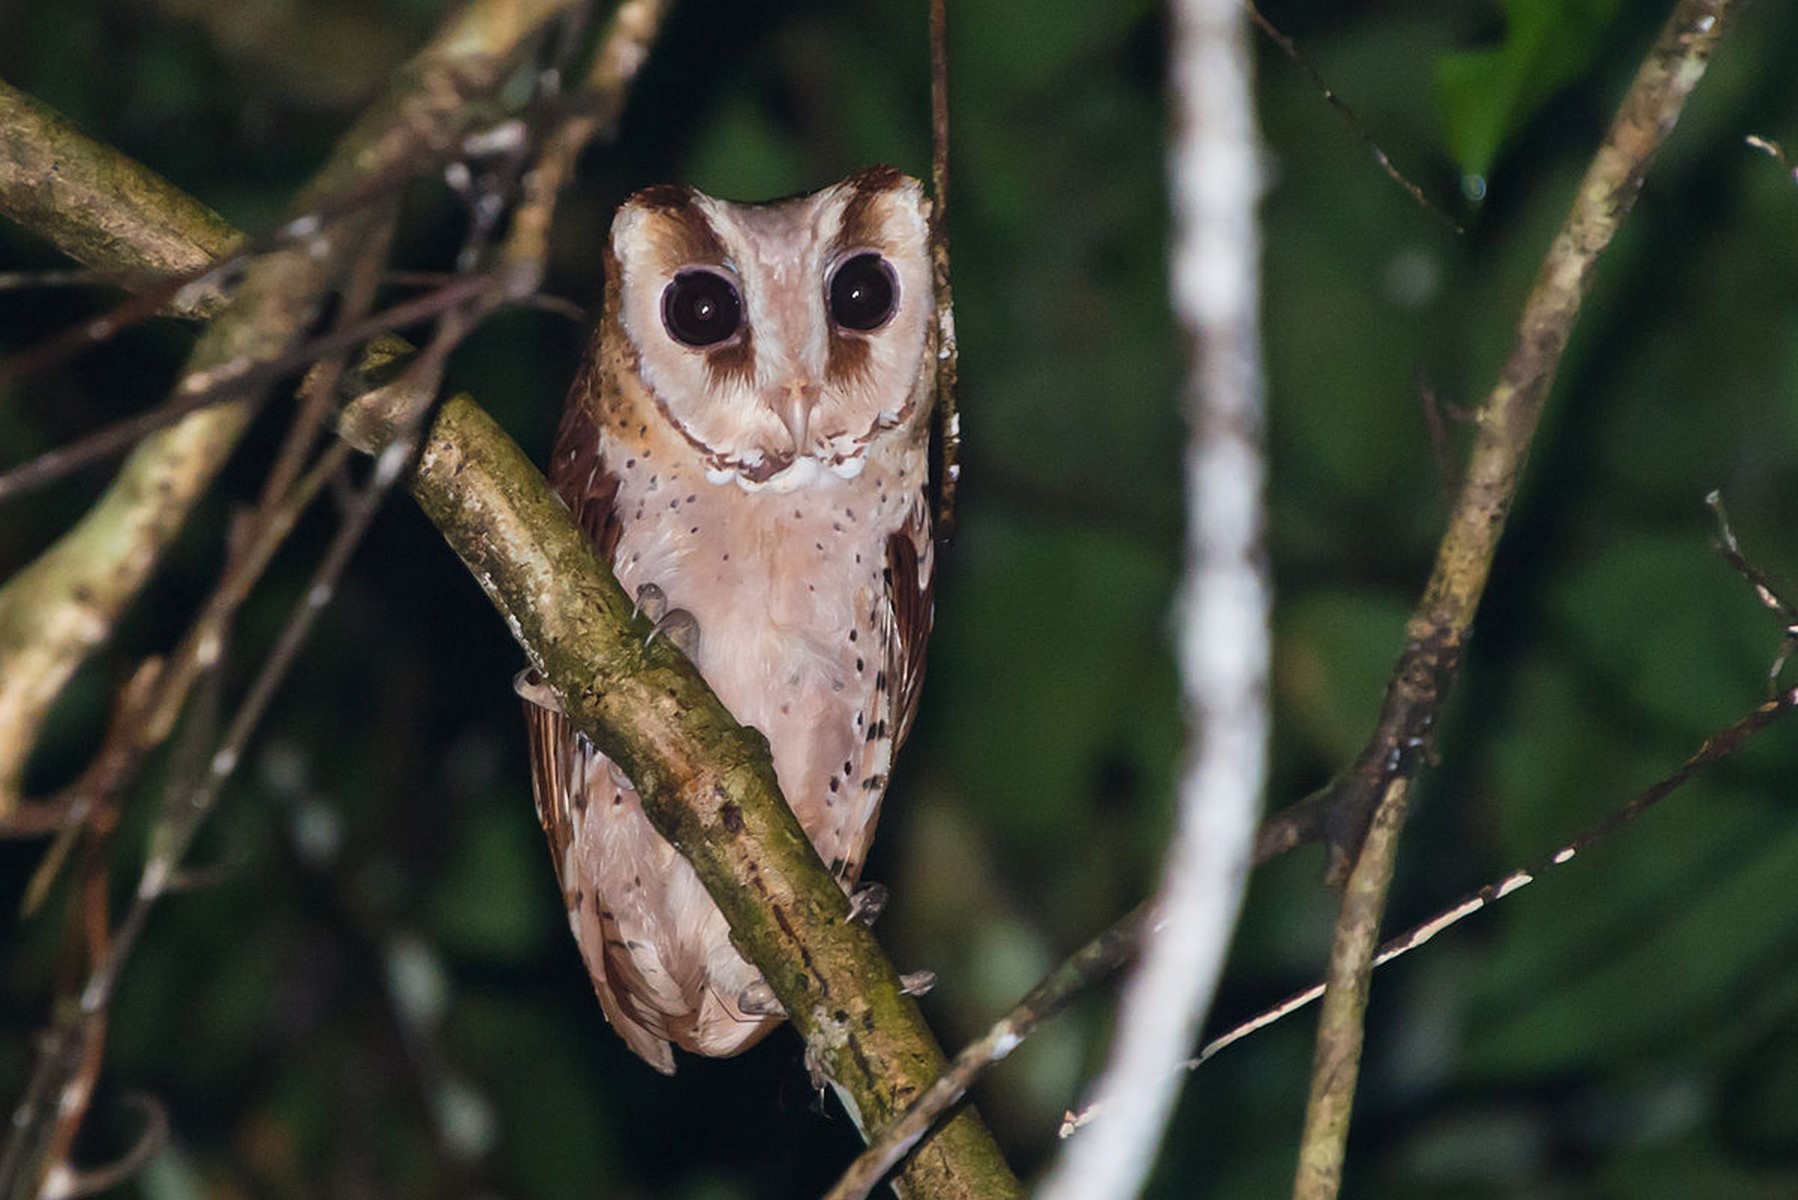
x: 108, y: 212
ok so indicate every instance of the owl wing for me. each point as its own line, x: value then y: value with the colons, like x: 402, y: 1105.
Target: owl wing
x: 578, y: 472
x: 562, y: 764
x: 911, y: 605
x: 906, y: 613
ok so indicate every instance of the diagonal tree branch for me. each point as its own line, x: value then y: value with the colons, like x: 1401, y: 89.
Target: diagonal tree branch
x: 1368, y: 806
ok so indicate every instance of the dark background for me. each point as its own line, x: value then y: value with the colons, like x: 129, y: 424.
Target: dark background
x: 380, y: 998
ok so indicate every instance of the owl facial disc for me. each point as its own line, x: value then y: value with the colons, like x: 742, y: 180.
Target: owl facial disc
x: 781, y: 340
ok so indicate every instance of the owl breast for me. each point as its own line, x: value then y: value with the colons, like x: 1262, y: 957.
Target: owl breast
x: 790, y: 594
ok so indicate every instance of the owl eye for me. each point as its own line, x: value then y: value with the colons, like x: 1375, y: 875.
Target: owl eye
x: 701, y: 308
x: 863, y: 293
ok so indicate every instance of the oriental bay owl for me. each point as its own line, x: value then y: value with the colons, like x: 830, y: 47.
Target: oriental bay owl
x: 748, y: 446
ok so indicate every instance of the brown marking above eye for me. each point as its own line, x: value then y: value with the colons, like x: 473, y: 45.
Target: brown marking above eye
x: 678, y: 228
x: 861, y: 224
x: 664, y: 197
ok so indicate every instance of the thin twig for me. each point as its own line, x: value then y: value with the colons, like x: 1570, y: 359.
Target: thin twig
x: 62, y: 277
x: 558, y: 305
x: 1713, y: 749
x: 945, y: 433
x: 1764, y: 590
x: 1773, y: 150
x: 1290, y: 49
x: 69, y: 1183
x: 318, y: 389
x: 240, y: 379
x: 1092, y: 962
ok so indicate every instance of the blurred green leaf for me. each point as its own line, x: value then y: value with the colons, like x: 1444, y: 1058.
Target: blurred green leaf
x: 744, y: 154
x: 1698, y: 1167
x: 552, y: 1128
x: 1488, y: 95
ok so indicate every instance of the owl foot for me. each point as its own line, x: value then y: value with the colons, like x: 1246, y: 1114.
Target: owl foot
x: 917, y: 983
x: 530, y: 686
x: 867, y: 902
x: 676, y: 624
x: 757, y: 1000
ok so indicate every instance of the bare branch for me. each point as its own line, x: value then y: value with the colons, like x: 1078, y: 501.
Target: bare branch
x: 1369, y: 802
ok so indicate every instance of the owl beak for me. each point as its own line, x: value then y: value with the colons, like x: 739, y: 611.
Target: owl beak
x: 796, y: 410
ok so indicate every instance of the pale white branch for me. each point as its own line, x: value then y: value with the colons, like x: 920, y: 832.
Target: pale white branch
x: 1223, y: 608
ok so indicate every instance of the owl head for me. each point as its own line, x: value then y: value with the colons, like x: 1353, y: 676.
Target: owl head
x: 785, y: 340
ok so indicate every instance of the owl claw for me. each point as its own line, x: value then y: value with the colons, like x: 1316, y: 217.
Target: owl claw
x: 867, y: 902
x: 917, y: 983
x: 652, y: 602
x: 530, y: 686
x: 757, y: 1000
x: 815, y: 1069
x: 680, y: 627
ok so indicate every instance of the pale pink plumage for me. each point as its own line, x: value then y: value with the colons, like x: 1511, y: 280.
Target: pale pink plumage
x: 808, y: 567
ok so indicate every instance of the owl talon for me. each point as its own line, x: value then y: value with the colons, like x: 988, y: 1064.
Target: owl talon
x: 867, y: 902
x: 757, y: 1000
x: 815, y: 1069
x: 530, y: 687
x: 917, y: 983
x: 680, y: 627
x: 651, y: 602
